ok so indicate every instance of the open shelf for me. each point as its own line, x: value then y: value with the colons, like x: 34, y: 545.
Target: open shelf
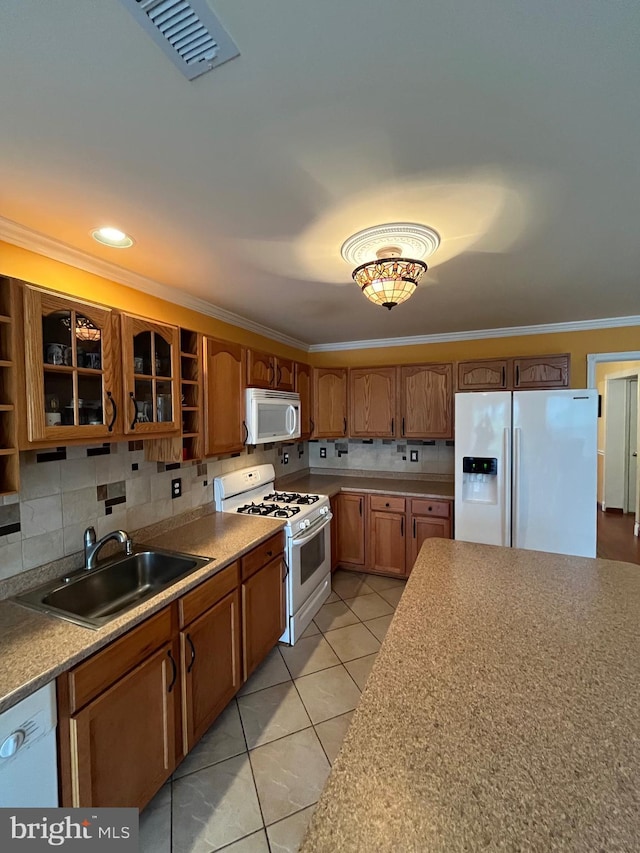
x: 9, y: 456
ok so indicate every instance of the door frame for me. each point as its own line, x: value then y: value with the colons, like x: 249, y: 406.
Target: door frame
x: 594, y: 359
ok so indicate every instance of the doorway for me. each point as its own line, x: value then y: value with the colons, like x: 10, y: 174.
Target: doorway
x: 615, y: 375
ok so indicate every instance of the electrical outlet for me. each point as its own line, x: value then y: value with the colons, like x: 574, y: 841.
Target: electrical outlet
x: 323, y: 453
x: 285, y: 458
x: 176, y: 488
x: 414, y: 455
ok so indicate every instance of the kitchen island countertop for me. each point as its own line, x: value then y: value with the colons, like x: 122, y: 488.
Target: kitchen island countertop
x: 37, y: 647
x: 502, y: 712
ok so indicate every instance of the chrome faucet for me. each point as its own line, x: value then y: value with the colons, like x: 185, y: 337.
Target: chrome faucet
x: 91, y: 547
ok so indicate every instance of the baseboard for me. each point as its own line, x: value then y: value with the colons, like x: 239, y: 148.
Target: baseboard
x: 636, y: 529
x: 615, y: 509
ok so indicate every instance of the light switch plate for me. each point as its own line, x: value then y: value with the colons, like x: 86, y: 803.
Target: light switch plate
x: 414, y: 455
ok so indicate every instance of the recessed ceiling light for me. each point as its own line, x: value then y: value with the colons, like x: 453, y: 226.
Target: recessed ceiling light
x: 112, y: 237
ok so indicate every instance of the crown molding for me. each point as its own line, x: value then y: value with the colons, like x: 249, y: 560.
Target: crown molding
x: 41, y: 244
x: 479, y: 334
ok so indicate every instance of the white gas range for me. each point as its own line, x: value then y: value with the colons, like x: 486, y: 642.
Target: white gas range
x: 307, y: 537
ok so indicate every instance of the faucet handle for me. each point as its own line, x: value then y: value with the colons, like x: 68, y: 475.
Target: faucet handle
x: 89, y: 536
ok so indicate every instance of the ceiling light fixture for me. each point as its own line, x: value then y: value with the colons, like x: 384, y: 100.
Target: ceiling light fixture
x: 384, y: 273
x: 112, y: 237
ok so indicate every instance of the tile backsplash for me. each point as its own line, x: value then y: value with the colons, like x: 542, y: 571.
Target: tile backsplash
x: 406, y: 457
x: 65, y: 490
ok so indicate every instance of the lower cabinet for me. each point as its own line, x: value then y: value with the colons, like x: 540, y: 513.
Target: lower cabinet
x: 351, y: 529
x: 384, y: 533
x: 263, y: 612
x: 387, y: 550
x: 128, y: 714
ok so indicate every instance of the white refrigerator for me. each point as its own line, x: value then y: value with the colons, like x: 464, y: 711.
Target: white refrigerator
x: 526, y: 469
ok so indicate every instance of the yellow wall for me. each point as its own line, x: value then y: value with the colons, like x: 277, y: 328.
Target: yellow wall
x: 29, y: 266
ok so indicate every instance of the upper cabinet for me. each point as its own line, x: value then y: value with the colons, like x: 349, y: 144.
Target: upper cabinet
x: 269, y: 371
x: 509, y: 374
x: 9, y: 457
x: 330, y: 402
x: 304, y: 388
x: 372, y: 402
x: 224, y: 373
x: 548, y: 371
x: 151, y: 367
x: 426, y: 401
x: 484, y: 375
x: 71, y: 380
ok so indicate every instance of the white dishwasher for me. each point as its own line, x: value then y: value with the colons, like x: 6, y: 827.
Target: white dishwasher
x: 28, y: 753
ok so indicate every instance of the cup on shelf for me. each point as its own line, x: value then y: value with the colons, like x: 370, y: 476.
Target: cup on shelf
x: 138, y: 364
x: 53, y: 418
x: 92, y: 360
x: 55, y: 353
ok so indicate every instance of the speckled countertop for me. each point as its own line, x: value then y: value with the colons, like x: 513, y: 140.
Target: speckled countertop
x: 331, y: 484
x: 36, y: 647
x: 502, y: 712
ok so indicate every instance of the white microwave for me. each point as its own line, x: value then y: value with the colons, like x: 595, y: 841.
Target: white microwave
x: 272, y: 416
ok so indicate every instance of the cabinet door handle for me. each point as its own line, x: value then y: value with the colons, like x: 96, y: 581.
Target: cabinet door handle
x: 175, y: 671
x: 115, y: 411
x: 193, y: 653
x: 517, y: 374
x: 135, y: 410
x: 313, y: 425
x: 503, y: 376
x: 272, y: 374
x: 403, y: 426
x: 414, y: 528
x: 360, y: 502
x: 392, y: 420
x: 345, y: 426
x: 286, y: 566
x: 279, y: 376
x: 402, y: 525
x: 246, y: 432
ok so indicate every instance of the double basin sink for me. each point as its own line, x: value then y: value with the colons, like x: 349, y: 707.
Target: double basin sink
x: 93, y: 597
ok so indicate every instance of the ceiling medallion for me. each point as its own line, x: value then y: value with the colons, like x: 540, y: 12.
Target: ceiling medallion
x: 389, y: 260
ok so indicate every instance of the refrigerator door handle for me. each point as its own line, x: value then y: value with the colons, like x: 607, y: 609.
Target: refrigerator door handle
x: 506, y: 486
x: 515, y: 493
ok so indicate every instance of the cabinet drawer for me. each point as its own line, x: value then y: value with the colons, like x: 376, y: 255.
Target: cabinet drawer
x: 423, y: 507
x: 385, y: 502
x: 94, y: 675
x: 208, y: 593
x: 261, y: 555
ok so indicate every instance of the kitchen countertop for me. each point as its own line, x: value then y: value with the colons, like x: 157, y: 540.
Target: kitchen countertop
x: 502, y: 712
x: 36, y: 647
x: 331, y: 484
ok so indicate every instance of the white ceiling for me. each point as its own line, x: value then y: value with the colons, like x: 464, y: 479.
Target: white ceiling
x: 512, y: 127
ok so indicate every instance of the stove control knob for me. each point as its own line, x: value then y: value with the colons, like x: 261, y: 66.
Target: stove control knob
x: 304, y: 524
x: 324, y: 510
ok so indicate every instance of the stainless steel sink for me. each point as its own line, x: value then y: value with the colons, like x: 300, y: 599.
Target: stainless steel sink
x: 93, y: 597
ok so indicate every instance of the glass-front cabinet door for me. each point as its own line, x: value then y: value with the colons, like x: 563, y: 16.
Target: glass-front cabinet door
x: 150, y: 353
x: 70, y: 387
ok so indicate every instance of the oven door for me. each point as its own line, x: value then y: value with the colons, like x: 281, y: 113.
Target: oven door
x: 309, y: 560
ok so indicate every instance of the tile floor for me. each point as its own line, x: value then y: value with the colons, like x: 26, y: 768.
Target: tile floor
x: 251, y: 784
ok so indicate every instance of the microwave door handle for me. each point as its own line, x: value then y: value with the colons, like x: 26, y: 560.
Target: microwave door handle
x: 291, y: 420
x: 310, y: 532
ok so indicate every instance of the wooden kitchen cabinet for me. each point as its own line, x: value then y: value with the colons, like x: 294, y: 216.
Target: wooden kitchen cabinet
x: 550, y: 371
x: 72, y: 383
x: 351, y: 529
x: 151, y: 371
x: 426, y: 519
x: 386, y: 535
x: 484, y: 375
x: 269, y: 371
x: 263, y: 601
x: 426, y: 401
x: 9, y: 455
x: 117, y: 719
x: 224, y: 381
x: 334, y: 502
x: 304, y: 387
x: 372, y: 402
x: 512, y: 374
x: 210, y: 653
x: 330, y: 402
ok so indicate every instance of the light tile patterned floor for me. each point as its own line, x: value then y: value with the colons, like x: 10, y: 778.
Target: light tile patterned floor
x: 251, y: 784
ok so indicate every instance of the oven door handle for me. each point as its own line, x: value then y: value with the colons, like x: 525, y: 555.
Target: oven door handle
x: 310, y: 532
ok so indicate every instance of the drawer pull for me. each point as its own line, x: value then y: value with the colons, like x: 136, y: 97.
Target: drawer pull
x: 430, y: 508
x: 387, y: 504
x: 269, y: 553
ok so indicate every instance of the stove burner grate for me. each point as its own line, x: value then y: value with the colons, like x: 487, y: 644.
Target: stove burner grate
x: 292, y: 498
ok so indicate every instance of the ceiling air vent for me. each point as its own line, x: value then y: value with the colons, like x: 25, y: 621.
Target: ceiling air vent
x: 187, y: 31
